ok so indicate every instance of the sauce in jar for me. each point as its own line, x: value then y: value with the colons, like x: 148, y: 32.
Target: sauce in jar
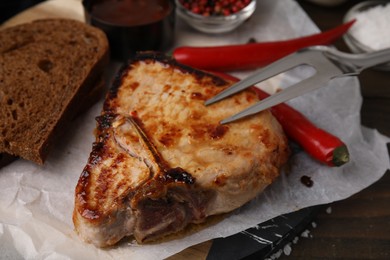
x: 131, y: 12
x: 133, y: 25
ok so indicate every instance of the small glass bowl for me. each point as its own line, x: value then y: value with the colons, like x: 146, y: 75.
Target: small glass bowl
x: 352, y: 42
x: 215, y: 24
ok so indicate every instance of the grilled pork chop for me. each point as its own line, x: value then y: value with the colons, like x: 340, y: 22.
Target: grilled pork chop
x: 161, y: 159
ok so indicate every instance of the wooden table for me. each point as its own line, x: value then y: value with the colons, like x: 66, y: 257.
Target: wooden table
x: 358, y: 227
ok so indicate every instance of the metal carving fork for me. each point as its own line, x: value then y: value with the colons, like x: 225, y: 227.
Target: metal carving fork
x: 328, y: 62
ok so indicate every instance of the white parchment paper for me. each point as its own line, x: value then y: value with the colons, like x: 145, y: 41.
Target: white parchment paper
x: 36, y: 202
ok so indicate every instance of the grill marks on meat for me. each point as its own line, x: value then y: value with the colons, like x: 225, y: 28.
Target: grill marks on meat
x: 129, y: 136
x: 156, y: 200
x: 161, y: 205
x: 161, y: 160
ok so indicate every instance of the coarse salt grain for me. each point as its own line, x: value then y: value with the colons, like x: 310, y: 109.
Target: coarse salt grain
x: 287, y: 249
x: 276, y: 255
x: 305, y: 233
x: 372, y: 27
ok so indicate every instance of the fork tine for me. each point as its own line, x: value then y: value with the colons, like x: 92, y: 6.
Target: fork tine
x: 271, y: 70
x: 298, y: 89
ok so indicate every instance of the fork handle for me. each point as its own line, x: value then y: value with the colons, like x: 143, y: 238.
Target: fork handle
x: 363, y: 61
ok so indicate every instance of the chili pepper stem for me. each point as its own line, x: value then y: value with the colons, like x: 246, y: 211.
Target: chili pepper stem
x: 340, y: 155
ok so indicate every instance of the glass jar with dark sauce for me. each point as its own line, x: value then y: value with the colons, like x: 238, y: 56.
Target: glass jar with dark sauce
x: 133, y: 25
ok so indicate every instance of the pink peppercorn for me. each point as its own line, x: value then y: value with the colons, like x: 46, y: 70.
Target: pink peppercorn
x: 215, y: 7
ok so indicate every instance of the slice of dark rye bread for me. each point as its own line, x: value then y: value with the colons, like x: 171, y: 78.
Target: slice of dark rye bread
x: 93, y: 96
x: 48, y: 68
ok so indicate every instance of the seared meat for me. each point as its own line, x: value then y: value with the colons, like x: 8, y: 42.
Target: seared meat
x: 161, y: 159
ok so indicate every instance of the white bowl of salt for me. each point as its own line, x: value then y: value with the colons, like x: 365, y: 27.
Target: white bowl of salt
x: 371, y: 31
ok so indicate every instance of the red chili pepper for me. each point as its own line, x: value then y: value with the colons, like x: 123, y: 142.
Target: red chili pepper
x: 318, y: 143
x: 252, y: 55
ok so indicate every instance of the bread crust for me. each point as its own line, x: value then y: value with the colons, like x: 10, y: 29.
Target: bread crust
x: 47, y: 69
